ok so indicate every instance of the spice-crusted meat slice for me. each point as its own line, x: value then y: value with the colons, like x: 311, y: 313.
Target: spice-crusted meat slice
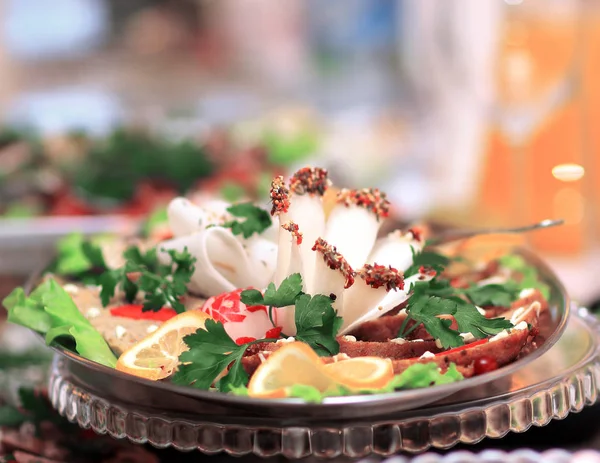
x: 392, y: 350
x: 503, y: 350
x: 533, y: 296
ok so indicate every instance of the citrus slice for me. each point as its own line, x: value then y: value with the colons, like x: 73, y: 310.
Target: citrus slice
x: 294, y: 363
x: 362, y: 372
x: 157, y: 355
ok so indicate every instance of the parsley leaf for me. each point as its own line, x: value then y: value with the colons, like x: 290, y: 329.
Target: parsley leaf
x: 256, y: 220
x: 426, y: 258
x: 493, y: 295
x: 317, y: 323
x: 79, y: 258
x: 211, y: 351
x: 529, y: 274
x: 425, y: 308
x: 286, y: 294
x: 162, y: 284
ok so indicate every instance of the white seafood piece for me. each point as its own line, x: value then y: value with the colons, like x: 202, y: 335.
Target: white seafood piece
x: 222, y: 262
x: 307, y: 212
x: 186, y: 217
x: 333, y: 274
x: 372, y: 285
x: 285, y: 316
x: 391, y: 300
x: 395, y: 250
x: 352, y: 230
x: 262, y: 254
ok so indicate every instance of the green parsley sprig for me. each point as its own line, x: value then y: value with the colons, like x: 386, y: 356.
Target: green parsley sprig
x: 256, y: 220
x: 317, y: 323
x: 79, y: 258
x: 162, y: 284
x: 212, y: 351
x: 425, y: 308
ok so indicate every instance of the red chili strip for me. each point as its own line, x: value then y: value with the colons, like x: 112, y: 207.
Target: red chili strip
x: 135, y: 311
x: 273, y: 333
x: 466, y: 346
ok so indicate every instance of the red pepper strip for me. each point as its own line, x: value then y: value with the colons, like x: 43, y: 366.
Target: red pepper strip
x: 274, y: 333
x: 135, y: 311
x: 244, y: 340
x: 466, y: 346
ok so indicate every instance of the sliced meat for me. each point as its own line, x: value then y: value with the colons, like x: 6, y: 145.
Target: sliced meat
x: 391, y: 349
x: 503, y: 350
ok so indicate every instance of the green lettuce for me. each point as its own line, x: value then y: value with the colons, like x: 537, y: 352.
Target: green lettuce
x: 50, y: 310
x: 416, y: 376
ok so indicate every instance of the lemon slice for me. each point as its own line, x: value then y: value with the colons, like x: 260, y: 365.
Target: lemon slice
x: 294, y: 363
x: 362, y: 372
x: 157, y: 355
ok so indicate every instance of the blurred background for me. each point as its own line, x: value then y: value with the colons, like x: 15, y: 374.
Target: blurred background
x: 467, y: 113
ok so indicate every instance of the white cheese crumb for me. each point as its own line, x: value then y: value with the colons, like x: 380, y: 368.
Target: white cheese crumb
x: 349, y: 338
x: 120, y: 331
x: 151, y: 329
x: 261, y: 357
x: 494, y: 280
x: 418, y: 340
x: 340, y: 357
x: 438, y: 344
x: 71, y: 288
x: 94, y: 288
x: 527, y: 292
x: 467, y: 337
x: 516, y: 315
x: 402, y: 312
x: 521, y: 326
x: 427, y: 355
x: 502, y: 334
x: 92, y: 312
x: 480, y: 310
x: 399, y: 341
x: 290, y: 339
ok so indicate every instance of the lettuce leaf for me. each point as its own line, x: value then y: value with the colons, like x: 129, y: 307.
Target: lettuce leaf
x: 416, y: 376
x: 50, y: 310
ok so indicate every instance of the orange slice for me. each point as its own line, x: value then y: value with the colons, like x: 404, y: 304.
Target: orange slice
x: 362, y: 372
x: 157, y: 355
x: 294, y: 363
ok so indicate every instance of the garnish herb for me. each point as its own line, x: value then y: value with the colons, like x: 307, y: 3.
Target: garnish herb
x: 79, y: 258
x: 257, y: 220
x: 426, y: 258
x: 162, y: 284
x: 425, y: 308
x: 528, y: 273
x: 493, y: 295
x: 317, y: 323
x: 211, y: 351
x: 50, y: 310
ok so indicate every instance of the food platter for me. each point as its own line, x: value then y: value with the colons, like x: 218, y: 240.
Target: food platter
x: 563, y: 380
x: 558, y: 377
